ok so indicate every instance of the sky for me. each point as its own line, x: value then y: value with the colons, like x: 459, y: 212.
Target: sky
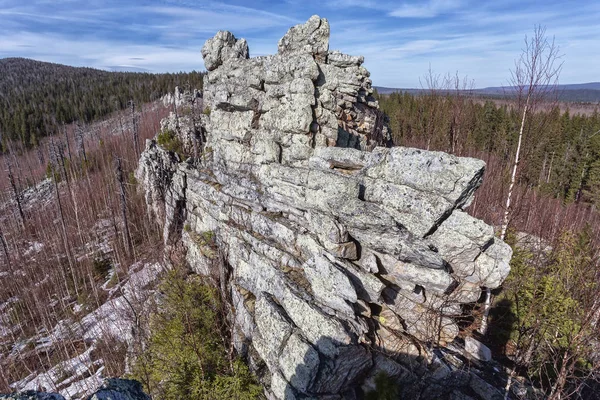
x: 400, y: 40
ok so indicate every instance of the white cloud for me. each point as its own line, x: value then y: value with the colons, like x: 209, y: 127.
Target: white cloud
x: 418, y: 46
x: 101, y: 54
x: 479, y: 39
x: 431, y: 9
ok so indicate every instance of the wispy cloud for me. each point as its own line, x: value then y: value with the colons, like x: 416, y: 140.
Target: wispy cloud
x: 429, y: 9
x: 399, y: 39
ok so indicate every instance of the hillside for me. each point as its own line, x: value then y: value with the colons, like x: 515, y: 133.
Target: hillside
x: 37, y: 97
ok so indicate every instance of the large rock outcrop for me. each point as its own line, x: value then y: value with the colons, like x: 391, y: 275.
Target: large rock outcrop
x: 342, y: 257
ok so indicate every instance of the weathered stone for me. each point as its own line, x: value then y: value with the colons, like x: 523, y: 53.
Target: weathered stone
x: 335, y: 374
x: 460, y: 239
x: 311, y: 37
x: 120, y: 389
x: 338, y: 59
x: 31, y: 395
x: 483, y: 389
x: 222, y: 48
x: 273, y: 327
x: 299, y: 363
x: 492, y: 267
x: 330, y: 285
x: 333, y: 244
x: 477, y: 349
x: 111, y: 389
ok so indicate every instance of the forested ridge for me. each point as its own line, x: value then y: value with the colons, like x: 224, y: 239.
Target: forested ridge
x: 37, y: 97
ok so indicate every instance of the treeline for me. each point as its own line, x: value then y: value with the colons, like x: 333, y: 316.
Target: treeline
x: 561, y: 153
x: 36, y: 98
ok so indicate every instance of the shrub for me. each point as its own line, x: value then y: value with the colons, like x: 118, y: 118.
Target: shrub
x: 101, y: 267
x: 169, y: 141
x: 385, y: 388
x: 53, y: 173
x: 186, y: 356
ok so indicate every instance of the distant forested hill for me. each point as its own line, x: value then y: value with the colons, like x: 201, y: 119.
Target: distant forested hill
x: 36, y: 97
x: 577, y: 93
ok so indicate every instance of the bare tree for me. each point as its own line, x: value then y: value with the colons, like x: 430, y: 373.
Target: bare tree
x: 16, y: 192
x: 431, y: 108
x: 64, y: 128
x: 126, y: 236
x: 4, y: 247
x: 136, y: 140
x: 54, y: 160
x: 533, y: 82
x: 79, y: 136
x: 461, y: 90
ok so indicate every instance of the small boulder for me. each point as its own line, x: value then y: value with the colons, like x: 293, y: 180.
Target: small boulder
x: 477, y: 349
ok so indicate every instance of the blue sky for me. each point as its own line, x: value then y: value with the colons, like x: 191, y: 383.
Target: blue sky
x: 399, y: 39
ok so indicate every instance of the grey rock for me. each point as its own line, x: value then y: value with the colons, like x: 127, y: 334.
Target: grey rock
x: 221, y: 48
x: 338, y: 59
x: 483, y: 389
x: 344, y: 255
x: 330, y: 285
x: 111, y: 389
x: 120, y: 389
x: 274, y: 329
x: 311, y: 37
x: 477, y: 349
x: 335, y: 374
x: 493, y: 266
x: 299, y: 363
x: 31, y: 395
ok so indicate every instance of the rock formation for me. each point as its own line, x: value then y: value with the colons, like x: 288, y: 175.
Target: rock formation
x: 112, y: 389
x: 343, y: 257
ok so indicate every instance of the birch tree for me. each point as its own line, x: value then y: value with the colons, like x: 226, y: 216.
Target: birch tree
x: 533, y: 82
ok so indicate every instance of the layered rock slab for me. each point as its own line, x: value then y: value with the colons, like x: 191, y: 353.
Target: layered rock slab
x: 337, y: 248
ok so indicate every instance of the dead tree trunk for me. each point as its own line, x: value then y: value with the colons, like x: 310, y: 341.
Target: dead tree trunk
x: 126, y: 236
x: 5, y: 248
x: 16, y: 194
x: 65, y: 237
x: 67, y: 142
x: 136, y: 139
x: 79, y: 134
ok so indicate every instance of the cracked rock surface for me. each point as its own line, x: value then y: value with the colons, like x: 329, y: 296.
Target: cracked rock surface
x: 343, y: 256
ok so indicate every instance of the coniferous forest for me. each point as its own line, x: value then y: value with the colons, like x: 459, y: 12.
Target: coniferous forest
x: 36, y: 97
x: 561, y: 150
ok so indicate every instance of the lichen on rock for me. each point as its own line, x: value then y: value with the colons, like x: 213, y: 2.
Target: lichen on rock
x: 342, y: 255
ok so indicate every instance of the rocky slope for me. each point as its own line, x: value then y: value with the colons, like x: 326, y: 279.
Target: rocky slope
x: 341, y: 257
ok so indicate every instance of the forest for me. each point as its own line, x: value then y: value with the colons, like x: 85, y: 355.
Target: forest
x: 36, y: 97
x: 561, y: 154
